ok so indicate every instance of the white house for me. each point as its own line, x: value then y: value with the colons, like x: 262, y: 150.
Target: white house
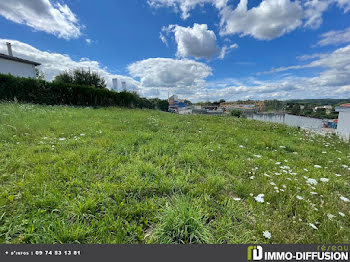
x: 344, y: 121
x: 16, y: 66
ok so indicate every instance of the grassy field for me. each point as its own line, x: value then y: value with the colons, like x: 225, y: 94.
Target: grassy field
x: 83, y: 175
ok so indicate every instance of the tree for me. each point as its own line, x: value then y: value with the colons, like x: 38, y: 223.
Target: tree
x: 296, y: 109
x: 273, y: 105
x: 40, y: 75
x: 236, y: 113
x: 188, y: 102
x: 81, y: 77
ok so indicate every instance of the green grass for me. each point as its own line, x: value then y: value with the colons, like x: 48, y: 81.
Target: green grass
x: 80, y: 175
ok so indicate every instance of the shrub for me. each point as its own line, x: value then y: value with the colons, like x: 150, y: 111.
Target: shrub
x: 29, y: 90
x: 236, y: 113
x: 81, y: 77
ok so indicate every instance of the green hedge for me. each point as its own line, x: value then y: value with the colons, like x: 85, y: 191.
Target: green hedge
x: 35, y: 91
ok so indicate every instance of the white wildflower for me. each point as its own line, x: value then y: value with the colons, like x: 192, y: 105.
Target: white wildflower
x: 313, y: 226
x: 330, y: 216
x: 259, y: 198
x: 342, y: 214
x: 237, y: 199
x: 344, y: 199
x: 300, y: 198
x: 311, y: 181
x: 62, y: 139
x: 317, y: 166
x: 267, y: 234
x: 285, y: 167
x: 323, y: 179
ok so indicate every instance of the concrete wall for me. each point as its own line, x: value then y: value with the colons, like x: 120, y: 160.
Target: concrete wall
x: 290, y: 120
x: 16, y: 68
x: 185, y: 111
x: 344, y: 124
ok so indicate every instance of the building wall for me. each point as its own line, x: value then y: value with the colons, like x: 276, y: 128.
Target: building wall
x: 344, y: 124
x: 16, y: 68
x: 290, y: 120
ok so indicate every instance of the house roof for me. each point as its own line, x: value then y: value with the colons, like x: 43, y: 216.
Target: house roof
x: 345, y: 105
x: 343, y: 108
x: 12, y: 58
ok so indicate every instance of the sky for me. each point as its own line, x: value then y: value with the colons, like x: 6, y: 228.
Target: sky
x: 198, y: 49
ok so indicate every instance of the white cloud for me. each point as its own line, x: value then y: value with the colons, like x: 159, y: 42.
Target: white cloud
x: 286, y: 88
x: 271, y: 19
x: 53, y: 64
x: 226, y: 50
x: 334, y: 79
x: 188, y: 78
x: 181, y: 76
x: 338, y: 59
x: 197, y: 42
x: 163, y: 39
x: 335, y: 37
x: 313, y: 12
x: 185, y: 5
x: 157, y: 75
x: 268, y: 20
x: 345, y: 4
x: 42, y: 15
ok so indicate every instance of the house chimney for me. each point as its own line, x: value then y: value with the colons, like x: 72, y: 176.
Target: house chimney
x: 9, y: 49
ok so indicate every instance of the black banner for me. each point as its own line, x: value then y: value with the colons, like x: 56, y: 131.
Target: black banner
x: 154, y: 253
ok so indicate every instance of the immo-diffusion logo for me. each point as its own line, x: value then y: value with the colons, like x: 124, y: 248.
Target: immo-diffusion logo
x: 255, y: 253
x: 332, y: 253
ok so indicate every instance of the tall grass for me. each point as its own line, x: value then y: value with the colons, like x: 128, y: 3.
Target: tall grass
x: 111, y: 175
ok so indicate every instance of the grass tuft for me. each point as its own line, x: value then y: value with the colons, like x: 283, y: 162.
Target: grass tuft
x: 182, y: 222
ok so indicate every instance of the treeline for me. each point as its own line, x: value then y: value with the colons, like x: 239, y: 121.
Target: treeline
x: 312, y: 110
x: 319, y: 102
x: 38, y: 91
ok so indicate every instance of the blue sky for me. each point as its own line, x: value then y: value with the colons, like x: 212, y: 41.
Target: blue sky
x: 198, y: 49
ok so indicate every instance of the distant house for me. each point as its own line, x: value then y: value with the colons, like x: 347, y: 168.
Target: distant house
x: 344, y: 120
x: 176, y: 104
x: 327, y: 108
x: 16, y: 66
x: 248, y: 106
